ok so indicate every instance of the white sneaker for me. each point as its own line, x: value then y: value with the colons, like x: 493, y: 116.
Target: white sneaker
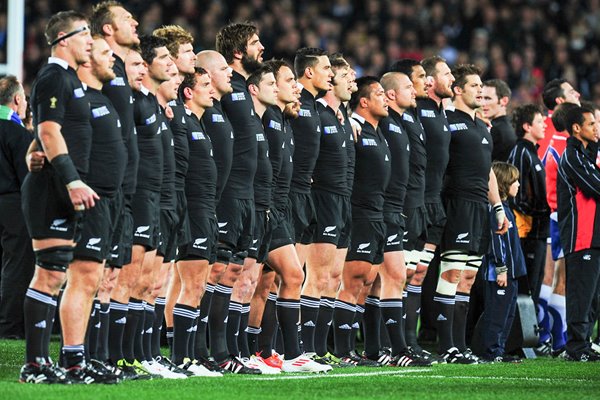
x: 164, y: 372
x: 199, y: 370
x: 303, y: 363
x: 259, y: 363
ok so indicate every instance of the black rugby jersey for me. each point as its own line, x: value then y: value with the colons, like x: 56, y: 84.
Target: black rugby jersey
x: 146, y: 113
x: 415, y: 190
x: 307, y: 138
x: 182, y: 150
x: 531, y: 199
x: 58, y: 95
x: 279, y: 137
x: 221, y: 134
x: 263, y: 180
x: 399, y: 145
x: 108, y: 157
x: 168, y: 200
x: 371, y: 174
x: 121, y: 96
x: 201, y: 180
x: 239, y: 108
x: 434, y: 121
x: 504, y: 138
x: 468, y: 170
x: 330, y: 172
x: 350, y: 150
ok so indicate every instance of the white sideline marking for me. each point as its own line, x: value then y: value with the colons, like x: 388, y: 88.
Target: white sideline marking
x: 321, y: 376
x: 412, y: 371
x: 502, y: 378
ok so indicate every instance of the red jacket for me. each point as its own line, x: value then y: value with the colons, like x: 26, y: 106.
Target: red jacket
x: 555, y: 143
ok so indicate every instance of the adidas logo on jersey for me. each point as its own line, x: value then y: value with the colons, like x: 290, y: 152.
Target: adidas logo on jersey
x: 485, y: 141
x: 441, y: 318
x: 41, y: 324
x: 387, y: 158
x: 587, y: 257
x: 121, y: 321
x: 345, y: 327
x: 309, y: 324
x: 391, y: 322
x: 205, y: 320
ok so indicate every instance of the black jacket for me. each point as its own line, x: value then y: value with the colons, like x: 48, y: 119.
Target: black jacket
x: 578, y: 187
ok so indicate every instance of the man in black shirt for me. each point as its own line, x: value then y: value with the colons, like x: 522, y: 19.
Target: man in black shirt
x: 242, y: 49
x: 414, y: 207
x: 496, y: 95
x: 51, y: 210
x: 313, y: 69
x: 263, y: 90
x: 401, y: 95
x: 118, y: 27
x: 433, y: 117
x: 107, y: 163
x: 199, y: 252
x: 470, y: 184
x: 146, y: 201
x: 372, y: 174
x: 17, y: 255
x: 331, y: 192
x: 219, y: 129
x: 180, y: 46
x: 530, y: 205
x: 578, y: 190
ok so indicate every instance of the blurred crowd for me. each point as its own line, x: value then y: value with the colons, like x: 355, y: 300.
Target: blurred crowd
x: 525, y: 43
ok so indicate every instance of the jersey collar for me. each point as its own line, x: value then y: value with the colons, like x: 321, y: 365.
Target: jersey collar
x: 59, y: 61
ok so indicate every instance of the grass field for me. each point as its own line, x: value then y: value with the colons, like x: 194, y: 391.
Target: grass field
x: 539, y: 379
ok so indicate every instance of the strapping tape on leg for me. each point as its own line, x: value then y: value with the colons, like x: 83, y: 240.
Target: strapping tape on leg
x: 54, y: 258
x: 450, y: 260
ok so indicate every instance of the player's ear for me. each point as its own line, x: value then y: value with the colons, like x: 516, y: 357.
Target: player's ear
x: 187, y: 93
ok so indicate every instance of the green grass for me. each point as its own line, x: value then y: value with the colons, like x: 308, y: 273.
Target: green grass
x: 539, y: 379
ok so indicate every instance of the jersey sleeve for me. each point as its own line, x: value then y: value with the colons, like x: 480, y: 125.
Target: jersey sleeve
x: 52, y: 96
x: 582, y: 172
